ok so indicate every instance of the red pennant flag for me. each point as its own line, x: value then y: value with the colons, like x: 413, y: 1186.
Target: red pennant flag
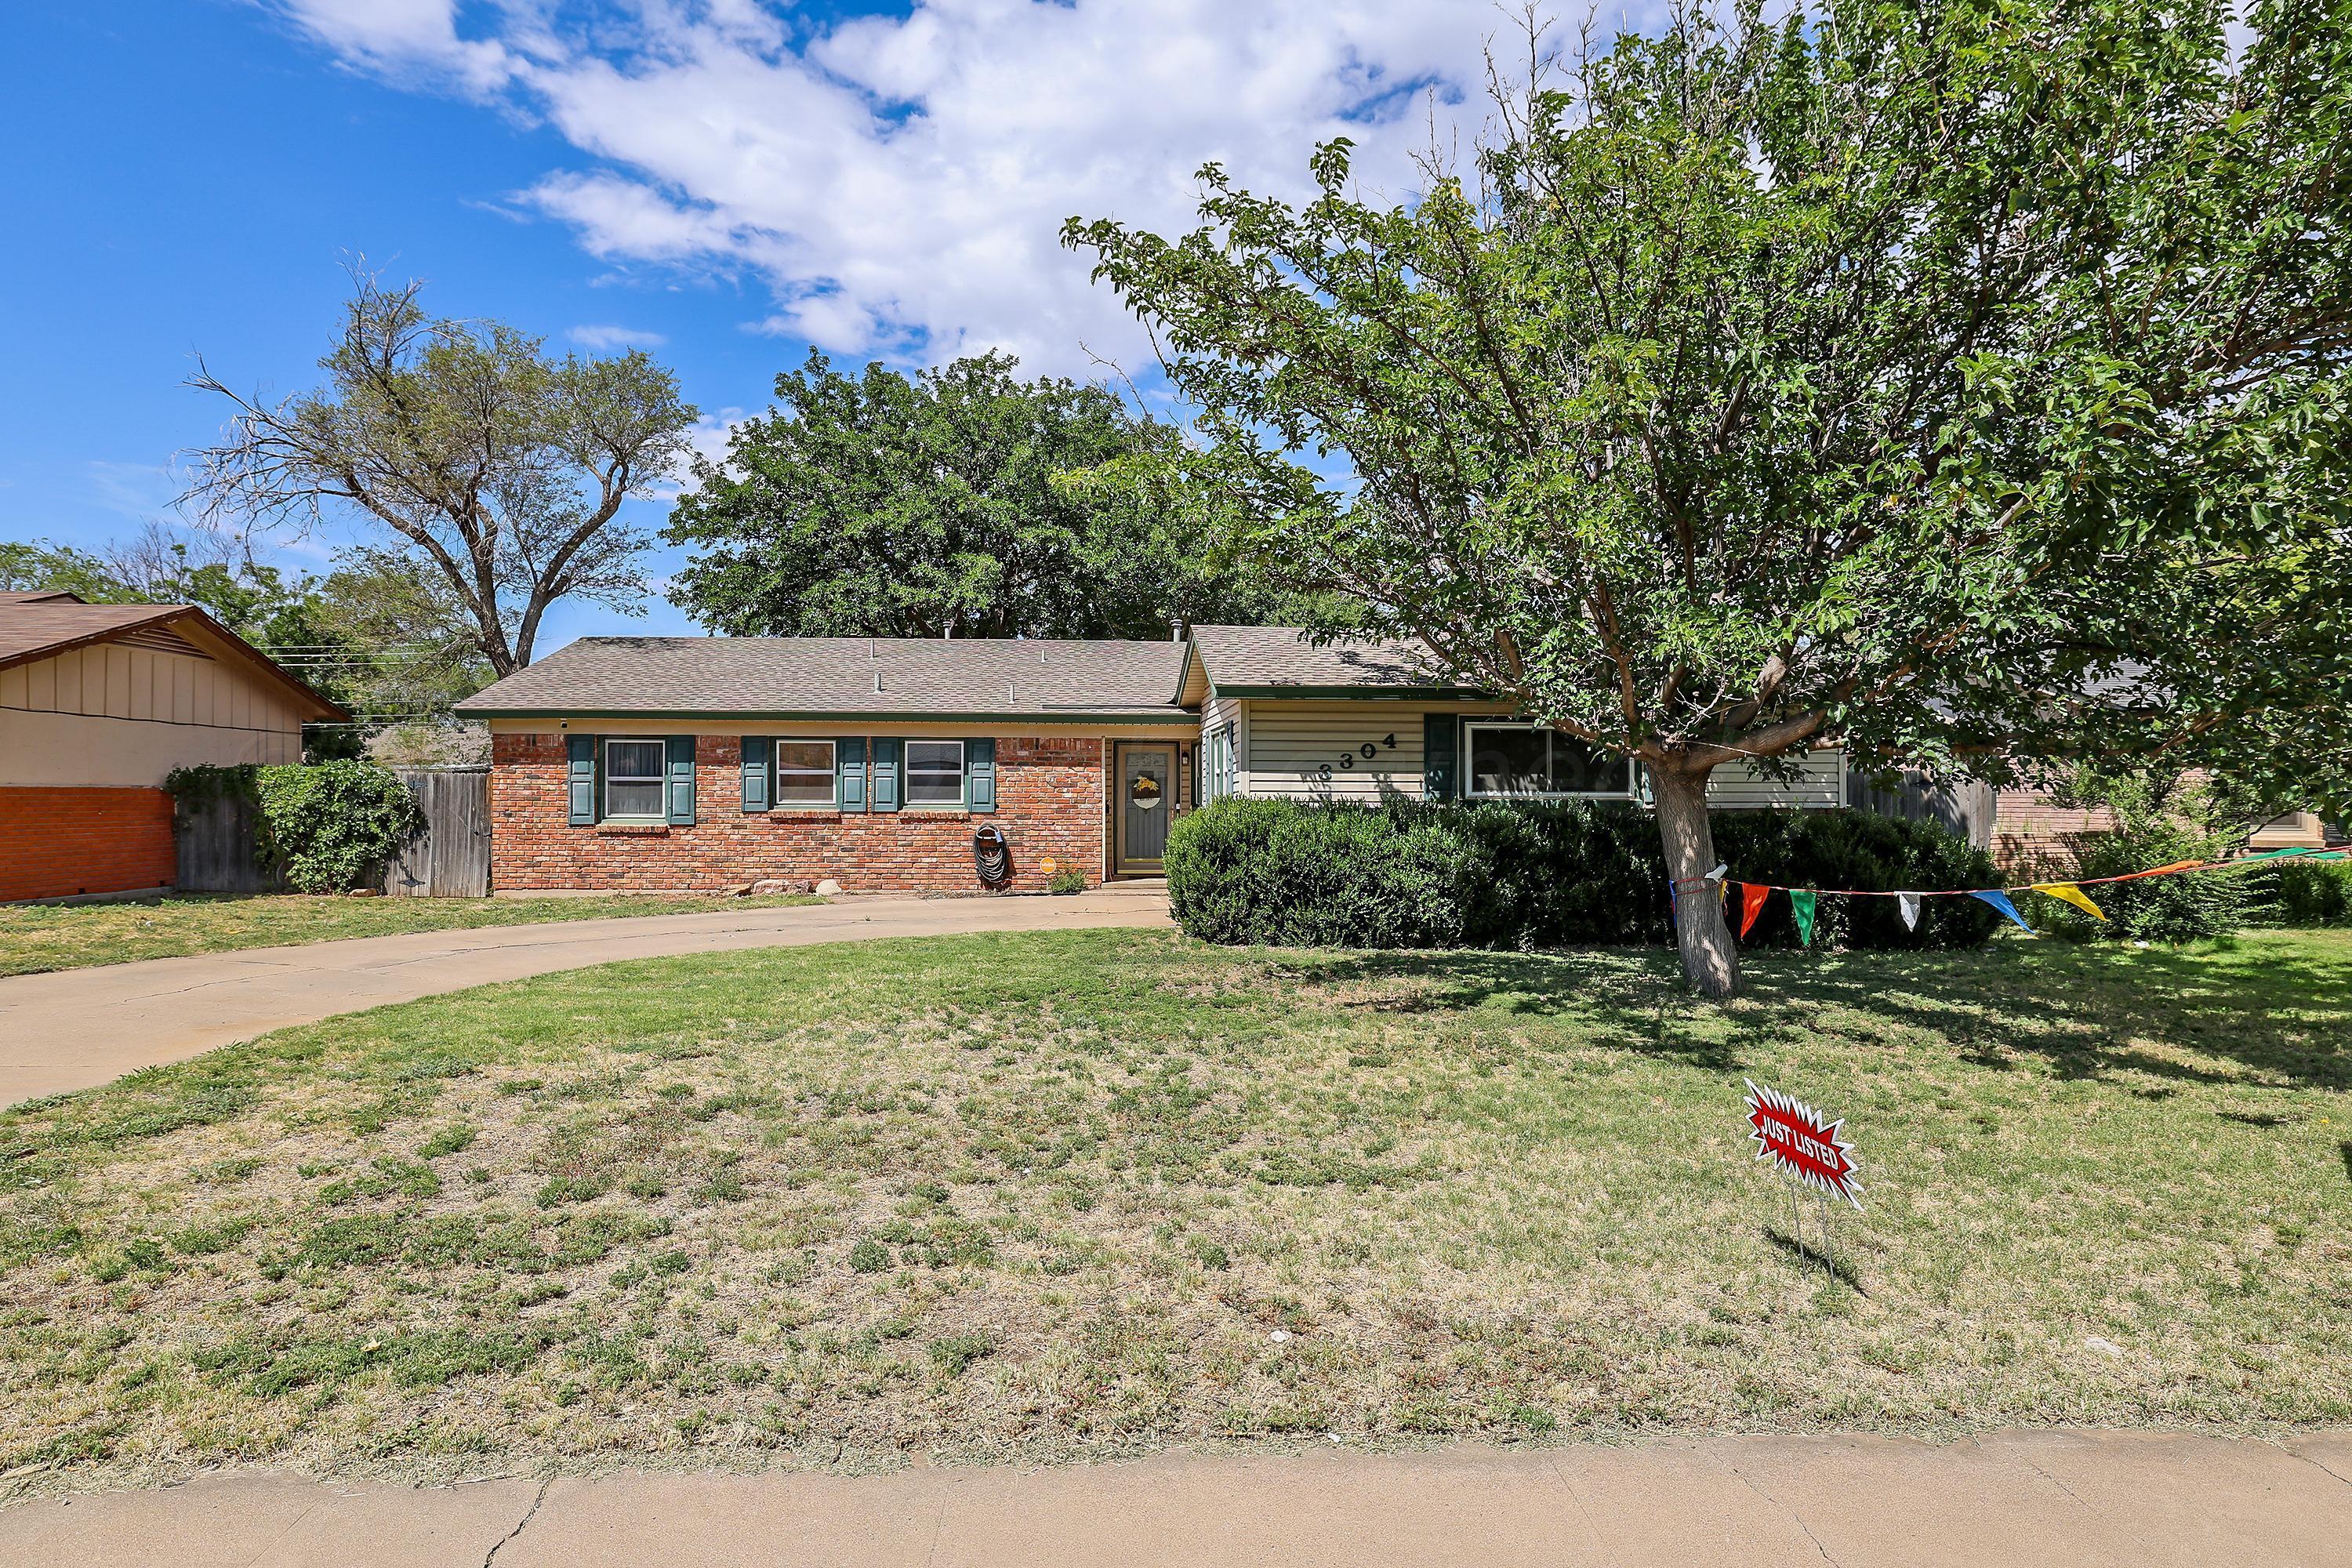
x: 1752, y: 904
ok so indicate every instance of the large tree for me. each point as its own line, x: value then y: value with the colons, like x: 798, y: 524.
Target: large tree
x: 961, y: 501
x: 489, y: 463
x: 1960, y: 383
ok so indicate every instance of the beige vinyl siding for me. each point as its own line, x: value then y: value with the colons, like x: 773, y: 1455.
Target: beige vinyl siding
x: 1216, y: 712
x: 114, y: 714
x: 1819, y: 787
x: 1291, y: 743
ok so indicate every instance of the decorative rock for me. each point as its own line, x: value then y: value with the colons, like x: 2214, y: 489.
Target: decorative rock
x: 766, y: 886
x: 827, y: 888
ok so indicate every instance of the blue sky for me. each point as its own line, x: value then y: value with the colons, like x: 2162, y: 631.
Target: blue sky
x: 724, y: 181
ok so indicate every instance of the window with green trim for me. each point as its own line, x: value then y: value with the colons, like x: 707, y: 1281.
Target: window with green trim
x: 934, y: 773
x: 634, y: 779
x: 804, y: 775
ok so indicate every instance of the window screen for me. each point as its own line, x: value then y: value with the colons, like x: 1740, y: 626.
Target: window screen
x: 804, y: 773
x: 935, y: 772
x: 633, y: 778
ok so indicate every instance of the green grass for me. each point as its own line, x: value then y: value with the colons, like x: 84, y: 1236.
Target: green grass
x: 38, y: 937
x: 1073, y: 1192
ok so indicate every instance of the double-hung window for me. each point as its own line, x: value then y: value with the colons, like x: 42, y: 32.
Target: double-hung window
x: 934, y: 774
x: 1526, y: 760
x: 805, y: 775
x: 1220, y: 770
x: 633, y: 779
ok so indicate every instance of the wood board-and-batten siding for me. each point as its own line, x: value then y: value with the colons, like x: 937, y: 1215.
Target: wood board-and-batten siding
x: 1280, y: 748
x: 163, y: 685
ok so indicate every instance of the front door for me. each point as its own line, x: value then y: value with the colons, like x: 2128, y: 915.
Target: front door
x: 1147, y: 798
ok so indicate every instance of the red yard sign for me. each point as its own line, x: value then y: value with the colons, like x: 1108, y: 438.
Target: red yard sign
x: 1802, y: 1141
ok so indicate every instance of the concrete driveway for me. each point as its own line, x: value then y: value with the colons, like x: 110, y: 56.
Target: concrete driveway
x: 2085, y: 1500
x: 79, y: 1028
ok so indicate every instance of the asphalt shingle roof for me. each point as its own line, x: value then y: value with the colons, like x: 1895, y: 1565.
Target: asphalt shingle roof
x: 1251, y: 658
x: 617, y: 677
x: 33, y: 625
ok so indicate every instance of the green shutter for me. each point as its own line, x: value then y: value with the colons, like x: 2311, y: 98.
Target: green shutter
x: 1441, y: 756
x: 980, y: 773
x: 755, y: 773
x: 580, y: 773
x: 849, y: 773
x: 681, y: 781
x: 884, y: 775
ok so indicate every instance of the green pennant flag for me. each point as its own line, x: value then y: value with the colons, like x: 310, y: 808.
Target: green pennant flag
x: 1801, y: 904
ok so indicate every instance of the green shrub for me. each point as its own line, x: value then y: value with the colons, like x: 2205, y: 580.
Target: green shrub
x: 1542, y: 875
x: 2159, y: 821
x: 333, y: 826
x: 1069, y: 880
x: 2310, y: 893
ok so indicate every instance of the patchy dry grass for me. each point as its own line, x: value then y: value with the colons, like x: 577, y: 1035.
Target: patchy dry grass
x: 34, y: 938
x: 1092, y: 1190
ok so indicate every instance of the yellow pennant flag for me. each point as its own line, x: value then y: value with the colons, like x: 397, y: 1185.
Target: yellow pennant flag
x: 2074, y: 895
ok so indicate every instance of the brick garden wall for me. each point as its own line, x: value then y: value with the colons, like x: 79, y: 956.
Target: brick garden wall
x: 56, y: 842
x: 1049, y: 804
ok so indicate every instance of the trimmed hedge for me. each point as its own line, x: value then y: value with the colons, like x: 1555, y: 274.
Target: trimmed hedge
x: 1542, y: 875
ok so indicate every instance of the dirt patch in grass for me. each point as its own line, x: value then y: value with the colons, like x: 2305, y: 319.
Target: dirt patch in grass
x: 36, y: 938
x: 1089, y: 1190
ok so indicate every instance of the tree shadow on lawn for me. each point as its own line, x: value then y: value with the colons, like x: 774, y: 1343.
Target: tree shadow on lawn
x: 2087, y: 1010
x: 1633, y: 994
x: 2094, y: 1009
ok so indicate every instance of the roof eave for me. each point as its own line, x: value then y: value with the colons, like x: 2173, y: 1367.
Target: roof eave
x: 849, y: 715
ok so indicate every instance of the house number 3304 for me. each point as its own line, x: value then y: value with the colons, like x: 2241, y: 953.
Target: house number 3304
x: 1364, y: 753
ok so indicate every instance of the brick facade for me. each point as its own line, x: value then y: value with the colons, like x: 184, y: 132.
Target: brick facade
x: 1049, y: 795
x: 2032, y: 834
x: 58, y: 842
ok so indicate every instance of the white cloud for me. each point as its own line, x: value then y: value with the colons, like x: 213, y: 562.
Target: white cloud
x: 603, y: 338
x: 899, y: 183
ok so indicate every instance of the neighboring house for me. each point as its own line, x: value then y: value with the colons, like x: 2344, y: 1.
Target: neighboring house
x: 98, y: 703
x: 2031, y: 831
x: 698, y: 762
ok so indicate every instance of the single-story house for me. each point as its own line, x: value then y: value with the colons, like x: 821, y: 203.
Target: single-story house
x: 700, y: 762
x: 99, y: 703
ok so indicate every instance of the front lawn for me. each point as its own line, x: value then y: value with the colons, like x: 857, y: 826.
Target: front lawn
x: 38, y: 937
x: 1060, y: 1193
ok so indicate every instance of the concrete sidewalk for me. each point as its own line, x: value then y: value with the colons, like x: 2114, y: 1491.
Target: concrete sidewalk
x: 79, y: 1028
x: 2082, y: 1500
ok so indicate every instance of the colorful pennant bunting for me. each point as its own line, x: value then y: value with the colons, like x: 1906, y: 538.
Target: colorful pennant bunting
x: 2000, y: 901
x: 1805, y: 902
x: 2069, y: 893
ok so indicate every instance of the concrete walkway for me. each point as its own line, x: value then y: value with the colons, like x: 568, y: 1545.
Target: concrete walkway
x: 79, y: 1028
x: 2084, y: 1499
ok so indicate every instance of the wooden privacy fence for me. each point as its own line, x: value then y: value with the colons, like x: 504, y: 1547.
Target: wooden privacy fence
x: 448, y: 858
x: 1964, y: 806
x: 214, y: 845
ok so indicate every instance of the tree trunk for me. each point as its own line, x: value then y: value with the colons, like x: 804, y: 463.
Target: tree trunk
x: 1710, y: 961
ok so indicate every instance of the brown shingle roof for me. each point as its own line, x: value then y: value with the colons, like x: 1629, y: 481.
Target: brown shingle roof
x: 1270, y: 659
x: 40, y: 626
x: 799, y: 677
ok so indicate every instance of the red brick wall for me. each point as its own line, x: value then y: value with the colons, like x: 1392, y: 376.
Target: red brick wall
x: 58, y: 842
x: 1048, y: 804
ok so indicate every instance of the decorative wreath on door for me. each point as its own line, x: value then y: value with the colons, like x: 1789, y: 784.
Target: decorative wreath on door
x: 1145, y: 792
